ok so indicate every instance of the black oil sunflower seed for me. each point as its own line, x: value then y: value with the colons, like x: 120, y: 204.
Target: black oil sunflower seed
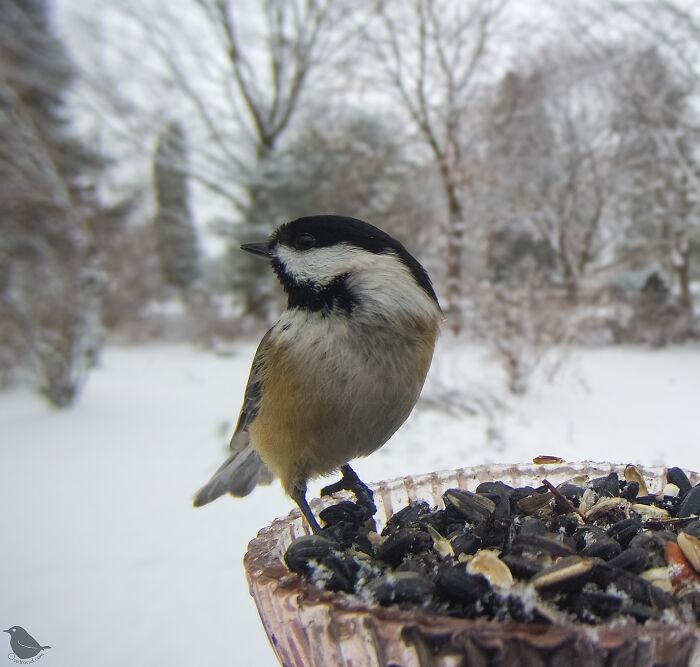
x: 595, y: 550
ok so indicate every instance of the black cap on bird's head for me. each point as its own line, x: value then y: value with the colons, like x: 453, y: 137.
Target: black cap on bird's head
x: 318, y: 251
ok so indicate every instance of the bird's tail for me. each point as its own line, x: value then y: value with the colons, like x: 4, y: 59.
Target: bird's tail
x: 239, y: 475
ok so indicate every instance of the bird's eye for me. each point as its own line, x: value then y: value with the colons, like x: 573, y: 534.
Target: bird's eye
x: 304, y: 242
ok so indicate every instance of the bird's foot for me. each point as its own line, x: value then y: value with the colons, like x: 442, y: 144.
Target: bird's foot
x: 351, y: 482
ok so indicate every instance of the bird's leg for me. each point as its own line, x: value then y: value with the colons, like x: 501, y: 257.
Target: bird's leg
x: 298, y: 495
x: 351, y: 482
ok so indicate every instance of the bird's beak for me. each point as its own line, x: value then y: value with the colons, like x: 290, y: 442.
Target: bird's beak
x: 261, y: 249
x: 5, y: 630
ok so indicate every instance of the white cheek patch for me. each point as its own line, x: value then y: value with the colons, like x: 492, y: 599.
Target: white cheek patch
x: 381, y: 280
x: 320, y: 265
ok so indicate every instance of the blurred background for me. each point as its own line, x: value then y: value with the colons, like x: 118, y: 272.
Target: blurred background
x: 541, y: 159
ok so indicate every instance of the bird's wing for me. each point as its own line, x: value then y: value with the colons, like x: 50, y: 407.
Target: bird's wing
x: 251, y: 399
x: 244, y: 468
x: 29, y: 642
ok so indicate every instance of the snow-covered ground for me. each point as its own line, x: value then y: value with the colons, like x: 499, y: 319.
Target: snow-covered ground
x: 104, y: 559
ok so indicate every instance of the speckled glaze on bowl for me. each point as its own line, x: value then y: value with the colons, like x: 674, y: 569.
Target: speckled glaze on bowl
x: 309, y: 627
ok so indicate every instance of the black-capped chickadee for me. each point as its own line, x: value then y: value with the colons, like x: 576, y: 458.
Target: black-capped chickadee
x: 343, y: 367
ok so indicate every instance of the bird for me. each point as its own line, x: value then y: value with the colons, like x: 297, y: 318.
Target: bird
x: 23, y: 645
x: 342, y: 368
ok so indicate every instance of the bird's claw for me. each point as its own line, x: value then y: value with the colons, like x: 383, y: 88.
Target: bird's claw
x: 351, y: 482
x: 334, y: 488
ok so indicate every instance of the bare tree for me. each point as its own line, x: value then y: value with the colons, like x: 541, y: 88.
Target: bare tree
x: 655, y: 90
x: 538, y: 167
x: 236, y: 74
x: 664, y: 174
x: 572, y: 210
x: 557, y: 174
x: 359, y: 166
x: 433, y: 56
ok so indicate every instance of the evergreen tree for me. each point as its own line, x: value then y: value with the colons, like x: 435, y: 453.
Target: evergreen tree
x: 49, y: 278
x: 177, y: 239
x: 519, y: 160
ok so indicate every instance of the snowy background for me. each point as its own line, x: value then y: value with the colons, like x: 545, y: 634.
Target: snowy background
x: 105, y: 559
